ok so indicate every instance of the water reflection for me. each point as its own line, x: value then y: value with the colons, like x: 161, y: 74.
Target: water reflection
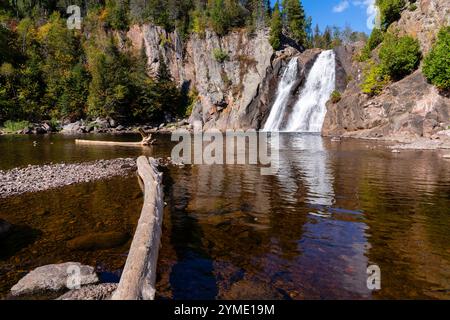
x: 308, y: 232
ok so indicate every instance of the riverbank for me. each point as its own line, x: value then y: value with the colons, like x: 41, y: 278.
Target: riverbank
x: 439, y: 141
x: 99, y: 125
x: 34, y: 178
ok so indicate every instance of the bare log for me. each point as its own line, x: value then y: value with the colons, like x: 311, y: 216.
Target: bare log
x: 109, y: 143
x: 146, y: 141
x: 139, y: 275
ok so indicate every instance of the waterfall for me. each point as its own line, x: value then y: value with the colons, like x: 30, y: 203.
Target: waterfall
x: 284, y: 88
x: 309, y: 111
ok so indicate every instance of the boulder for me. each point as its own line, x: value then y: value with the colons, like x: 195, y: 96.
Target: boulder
x: 96, y: 241
x: 25, y: 131
x: 101, y: 291
x: 53, y: 277
x: 102, y: 123
x: 72, y: 127
x: 47, y: 127
x: 112, y: 123
x: 39, y: 130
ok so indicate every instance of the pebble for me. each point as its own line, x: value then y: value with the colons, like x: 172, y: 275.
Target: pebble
x: 34, y: 178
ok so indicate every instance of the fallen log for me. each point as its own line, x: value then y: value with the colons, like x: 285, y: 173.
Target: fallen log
x: 146, y: 141
x: 139, y: 275
x: 109, y: 143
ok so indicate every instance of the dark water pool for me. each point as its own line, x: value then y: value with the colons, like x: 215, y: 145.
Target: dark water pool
x: 309, y: 232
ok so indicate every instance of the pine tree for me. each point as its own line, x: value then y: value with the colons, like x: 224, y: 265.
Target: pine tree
x: 276, y: 27
x: 296, y: 21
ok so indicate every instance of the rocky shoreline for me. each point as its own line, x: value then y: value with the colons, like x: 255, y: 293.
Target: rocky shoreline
x: 35, y: 178
x: 99, y: 125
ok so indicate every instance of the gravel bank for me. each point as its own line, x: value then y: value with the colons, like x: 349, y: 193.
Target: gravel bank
x: 39, y: 178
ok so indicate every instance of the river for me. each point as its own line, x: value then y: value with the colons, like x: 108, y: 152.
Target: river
x: 308, y: 232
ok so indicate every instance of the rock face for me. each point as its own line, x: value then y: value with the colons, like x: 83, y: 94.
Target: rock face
x: 53, y: 277
x: 409, y: 108
x: 102, y: 291
x: 228, y: 90
x: 406, y: 110
x: 424, y: 22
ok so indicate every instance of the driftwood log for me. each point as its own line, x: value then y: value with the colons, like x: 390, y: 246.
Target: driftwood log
x: 139, y: 275
x: 146, y: 141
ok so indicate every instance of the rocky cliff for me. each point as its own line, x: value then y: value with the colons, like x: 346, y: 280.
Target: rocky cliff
x: 407, y: 109
x: 227, y: 86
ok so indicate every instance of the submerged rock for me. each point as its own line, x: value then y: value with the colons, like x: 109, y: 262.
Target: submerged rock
x: 95, y: 241
x: 53, y: 277
x: 102, y: 291
x: 252, y: 290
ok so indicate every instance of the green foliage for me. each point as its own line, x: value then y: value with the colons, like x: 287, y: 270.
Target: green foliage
x: 436, y: 65
x: 375, y: 79
x: 220, y: 55
x: 376, y: 37
x: 335, y: 96
x: 295, y: 20
x: 116, y: 14
x: 14, y: 126
x: 390, y: 11
x: 412, y: 7
x: 276, y: 28
x: 192, y: 101
x: 399, y: 55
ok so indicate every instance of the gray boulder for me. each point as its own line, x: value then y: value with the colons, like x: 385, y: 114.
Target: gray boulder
x: 53, y: 277
x: 72, y: 127
x: 102, y: 291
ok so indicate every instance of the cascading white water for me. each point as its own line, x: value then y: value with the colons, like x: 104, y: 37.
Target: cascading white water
x: 309, y: 111
x: 284, y: 88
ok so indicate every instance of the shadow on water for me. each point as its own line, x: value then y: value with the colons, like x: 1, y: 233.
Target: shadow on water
x: 192, y: 275
x: 19, y: 237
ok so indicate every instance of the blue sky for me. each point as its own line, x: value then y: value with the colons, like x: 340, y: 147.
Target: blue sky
x: 339, y: 12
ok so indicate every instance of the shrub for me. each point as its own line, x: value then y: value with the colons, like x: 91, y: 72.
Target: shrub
x: 436, y: 65
x: 220, y: 55
x: 335, y: 96
x: 376, y: 37
x: 399, y: 55
x: 390, y: 11
x: 364, y: 55
x: 412, y: 7
x: 14, y: 126
x: 375, y: 79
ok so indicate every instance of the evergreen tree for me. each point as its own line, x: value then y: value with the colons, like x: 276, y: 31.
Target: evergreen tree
x: 276, y: 27
x: 296, y: 20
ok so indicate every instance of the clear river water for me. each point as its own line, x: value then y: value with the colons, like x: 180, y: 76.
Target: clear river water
x: 308, y: 232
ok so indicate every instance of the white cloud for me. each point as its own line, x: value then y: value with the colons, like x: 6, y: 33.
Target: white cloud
x: 371, y: 11
x: 341, y: 7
